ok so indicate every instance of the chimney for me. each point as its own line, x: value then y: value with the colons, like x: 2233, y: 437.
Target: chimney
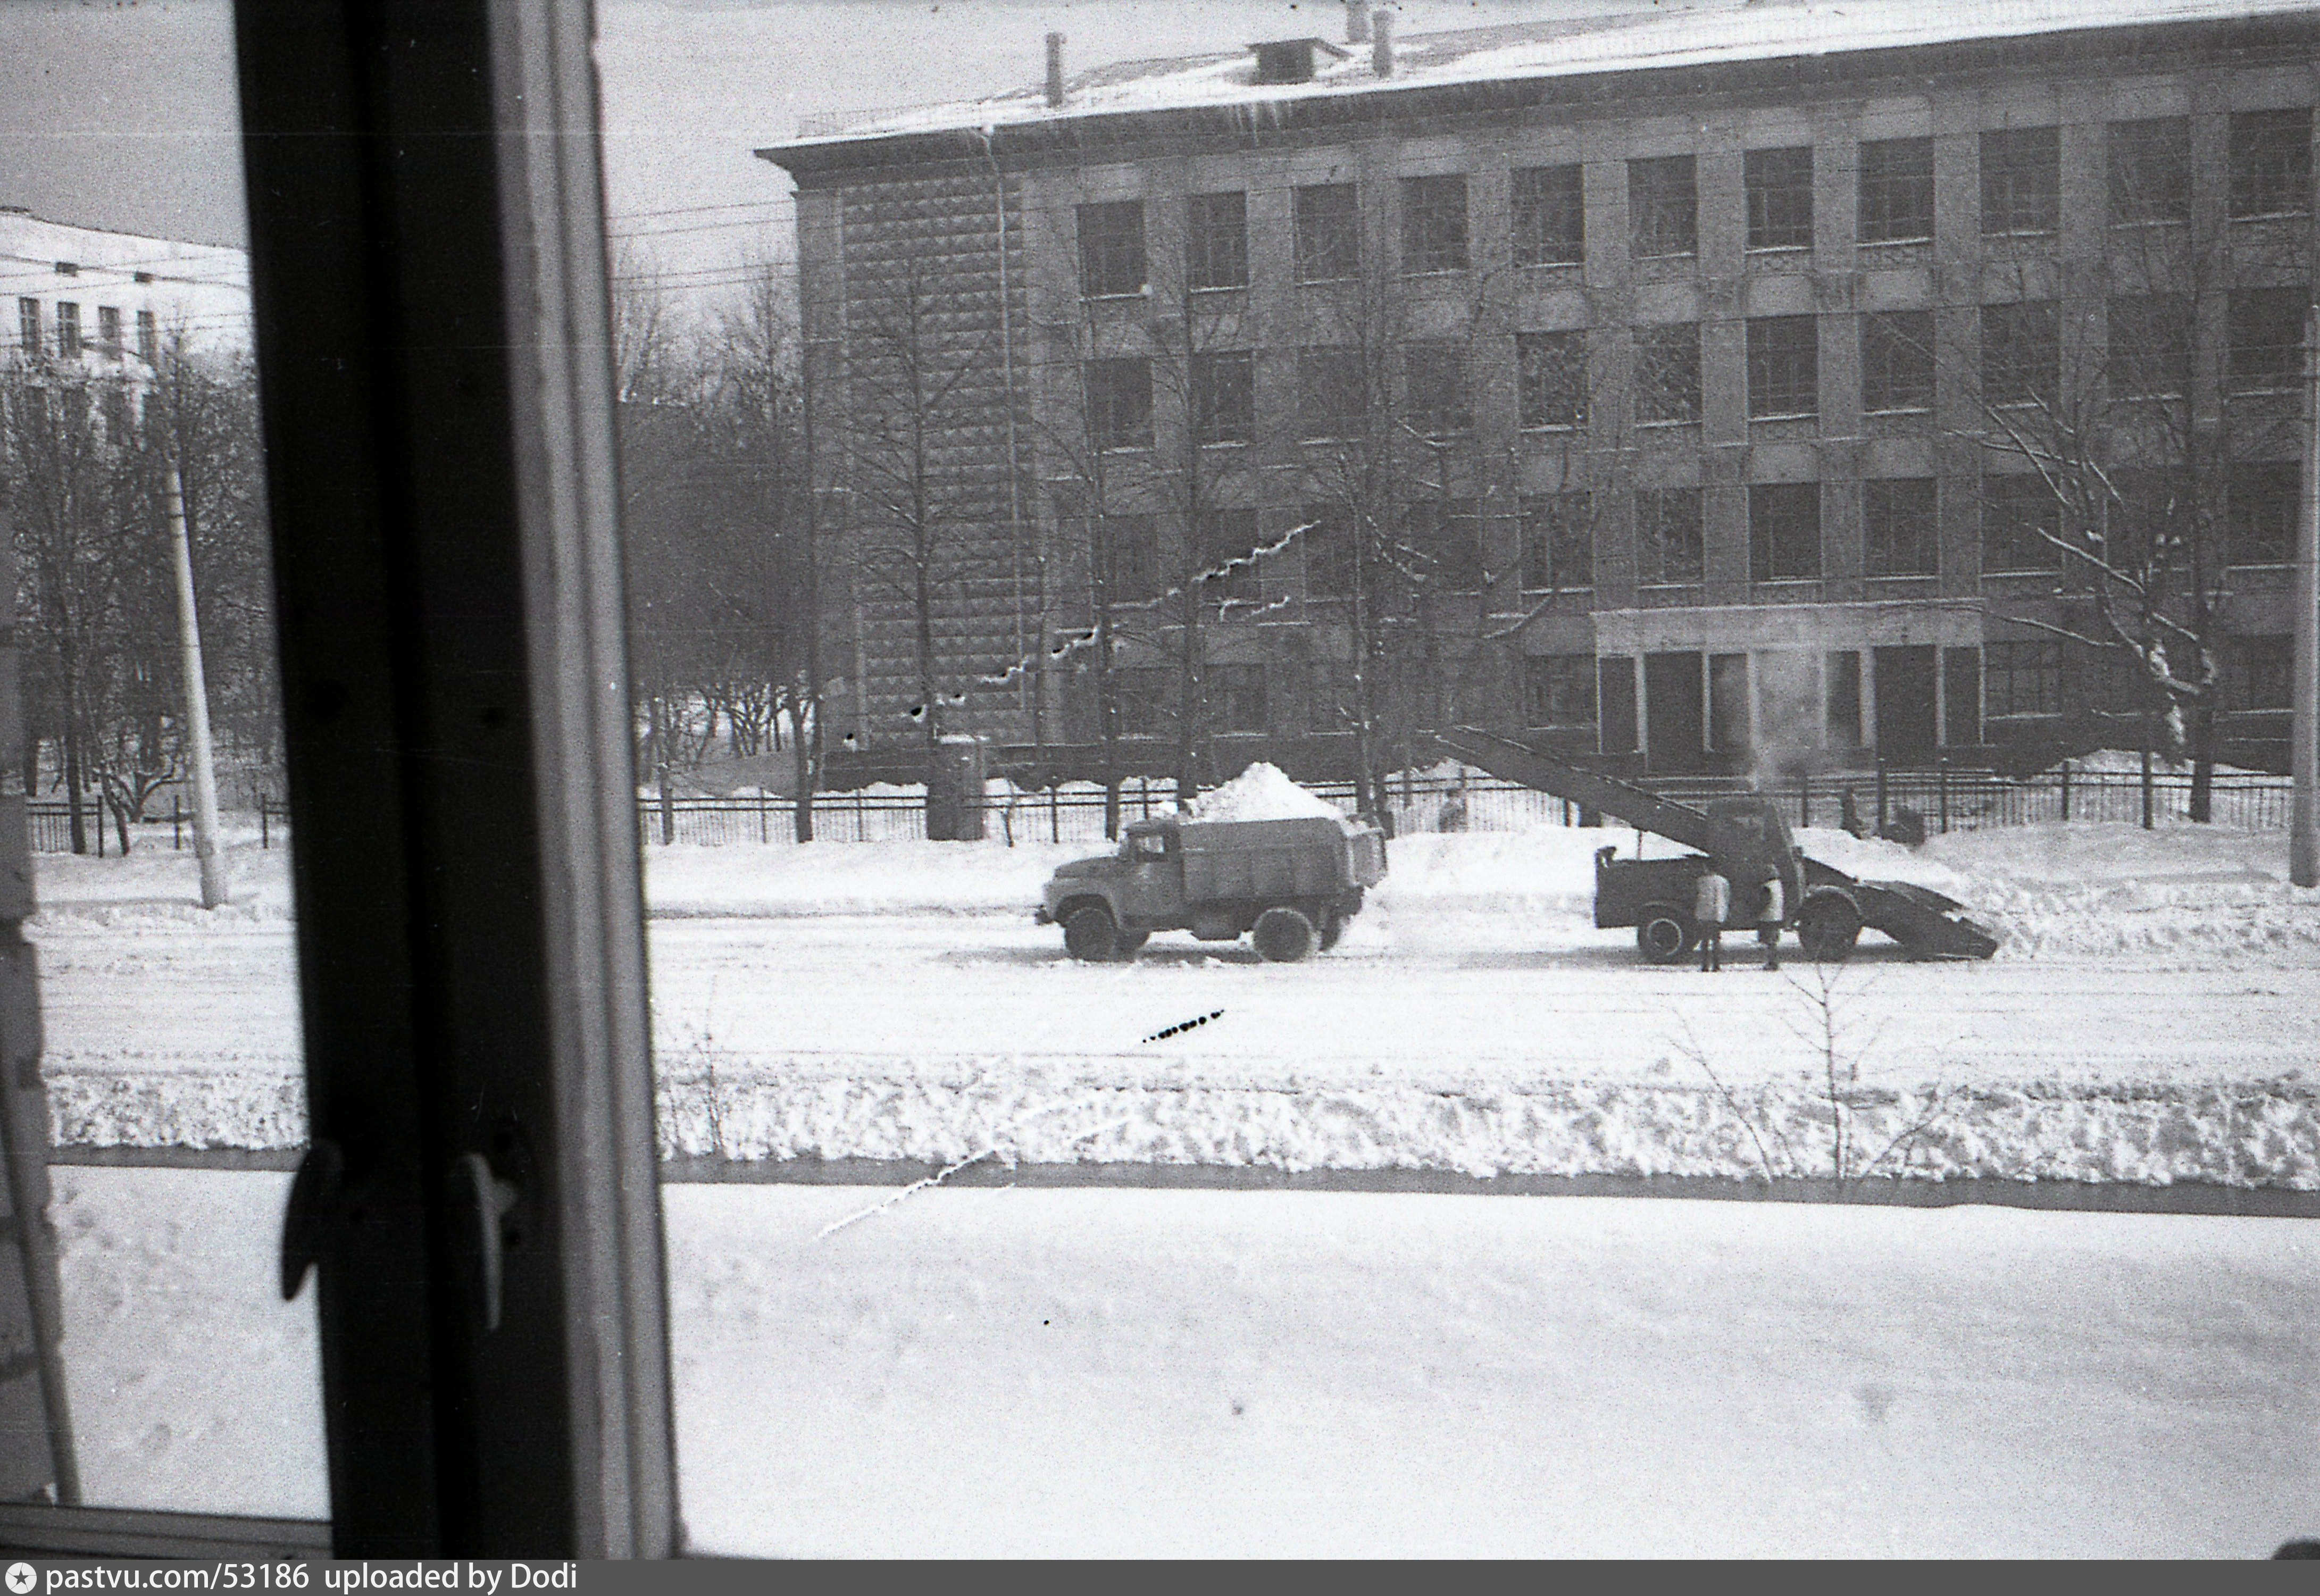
x: 1055, y: 69
x: 1381, y: 52
x: 1357, y: 22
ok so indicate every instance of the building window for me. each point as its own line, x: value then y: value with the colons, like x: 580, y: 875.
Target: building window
x: 1227, y: 548
x: 108, y: 329
x: 2150, y: 354
x: 1667, y: 372
x: 1112, y: 249
x: 1897, y: 191
x: 1440, y: 405
x: 149, y: 339
x: 28, y: 326
x: 1784, y: 532
x: 1119, y: 403
x: 2019, y: 521
x: 1558, y: 533
x: 1447, y: 537
x: 2264, y: 671
x: 2150, y: 171
x: 1329, y: 242
x: 1783, y: 366
x: 1841, y: 697
x: 1235, y: 698
x: 2265, y: 330
x: 1900, y: 530
x: 1224, y: 398
x: 67, y: 328
x: 1663, y: 207
x: 2021, y: 353
x: 2021, y: 181
x: 1127, y: 557
x: 1668, y: 547
x: 1217, y: 236
x: 1434, y: 225
x: 1329, y: 540
x: 2149, y: 510
x: 1550, y: 216
x: 117, y: 415
x: 1559, y: 690
x: 1779, y: 183
x: 2021, y: 679
x: 2260, y: 519
x: 1896, y: 362
x: 2271, y: 163
x: 1147, y: 694
x: 1552, y: 372
x: 1332, y: 396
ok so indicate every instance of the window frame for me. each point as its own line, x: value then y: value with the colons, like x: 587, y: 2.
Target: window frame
x: 1767, y: 186
x: 1783, y: 356
x: 1317, y: 240
x: 1887, y: 169
x: 1217, y: 251
x: 1437, y: 238
x: 1537, y: 198
x: 2021, y: 182
x: 1655, y: 199
x: 1883, y: 348
x: 1101, y: 251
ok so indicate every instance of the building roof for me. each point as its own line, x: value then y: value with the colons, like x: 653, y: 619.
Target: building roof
x: 1629, y: 42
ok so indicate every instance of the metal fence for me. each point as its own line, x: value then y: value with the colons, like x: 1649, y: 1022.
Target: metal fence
x: 48, y: 826
x: 1946, y: 800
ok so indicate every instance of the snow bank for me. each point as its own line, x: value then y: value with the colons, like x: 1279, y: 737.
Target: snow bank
x: 1263, y: 793
x: 2129, y: 762
x: 156, y: 887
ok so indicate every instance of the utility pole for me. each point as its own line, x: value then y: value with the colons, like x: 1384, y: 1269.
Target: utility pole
x: 2303, y: 734
x: 197, y: 703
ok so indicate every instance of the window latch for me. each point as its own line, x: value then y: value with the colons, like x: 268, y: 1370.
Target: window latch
x: 316, y: 1202
x: 484, y: 1205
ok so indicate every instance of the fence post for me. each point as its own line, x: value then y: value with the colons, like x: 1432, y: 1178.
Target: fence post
x: 1804, y: 801
x: 860, y: 818
x: 177, y: 825
x: 1941, y: 782
x: 764, y: 821
x: 2066, y: 789
x: 1880, y: 795
x: 2147, y: 817
x: 1056, y: 812
x: 265, y: 837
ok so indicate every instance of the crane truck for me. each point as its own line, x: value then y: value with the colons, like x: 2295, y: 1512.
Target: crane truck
x: 1746, y: 836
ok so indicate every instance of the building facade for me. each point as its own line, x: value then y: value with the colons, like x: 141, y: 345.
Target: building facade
x: 104, y: 299
x: 1741, y: 390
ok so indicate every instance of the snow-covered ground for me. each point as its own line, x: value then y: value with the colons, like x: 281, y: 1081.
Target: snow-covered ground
x: 1340, y: 1374
x: 2153, y: 1016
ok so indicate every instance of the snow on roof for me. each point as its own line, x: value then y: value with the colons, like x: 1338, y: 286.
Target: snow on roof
x: 1635, y: 40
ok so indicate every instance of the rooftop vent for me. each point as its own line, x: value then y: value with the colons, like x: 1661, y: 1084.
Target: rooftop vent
x: 1357, y: 22
x: 67, y: 268
x: 1055, y: 69
x: 1290, y: 60
x: 1382, y: 48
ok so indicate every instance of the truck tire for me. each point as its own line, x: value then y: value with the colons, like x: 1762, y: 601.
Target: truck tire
x: 1125, y: 945
x: 1284, y: 936
x: 1663, y: 935
x: 1090, y: 935
x: 1828, y: 926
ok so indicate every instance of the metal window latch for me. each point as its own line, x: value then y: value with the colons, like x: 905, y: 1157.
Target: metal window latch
x: 316, y: 1204
x: 484, y: 1206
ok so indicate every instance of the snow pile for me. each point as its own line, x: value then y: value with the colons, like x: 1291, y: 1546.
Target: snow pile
x: 2129, y: 762
x: 158, y: 887
x: 2250, y: 1134
x: 1262, y: 792
x: 911, y: 877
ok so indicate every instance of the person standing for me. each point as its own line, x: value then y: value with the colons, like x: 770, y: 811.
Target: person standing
x: 1711, y: 906
x: 1770, y: 916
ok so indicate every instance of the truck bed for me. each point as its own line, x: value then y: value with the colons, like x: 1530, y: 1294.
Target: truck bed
x: 1229, y: 860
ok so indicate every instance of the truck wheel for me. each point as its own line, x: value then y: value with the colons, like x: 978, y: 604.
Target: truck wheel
x: 1089, y: 935
x: 1828, y: 926
x: 1662, y: 935
x: 1333, y: 927
x: 1128, y: 942
x: 1284, y: 936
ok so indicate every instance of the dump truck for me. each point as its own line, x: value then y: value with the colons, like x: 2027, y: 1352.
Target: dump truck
x: 1290, y: 885
x: 1747, y: 838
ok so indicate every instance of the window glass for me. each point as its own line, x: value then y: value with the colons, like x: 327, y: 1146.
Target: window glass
x: 132, y: 489
x: 1663, y: 207
x: 2150, y: 171
x: 1111, y: 248
x: 1667, y: 373
x: 1218, y: 224
x: 1900, y: 533
x: 2271, y: 163
x: 1783, y: 365
x: 1550, y: 216
x: 1896, y: 361
x: 1784, y: 532
x: 2021, y: 180
x: 1554, y: 377
x: 1434, y: 224
x: 1780, y: 188
x: 1668, y: 548
x: 1329, y: 232
x: 1897, y: 191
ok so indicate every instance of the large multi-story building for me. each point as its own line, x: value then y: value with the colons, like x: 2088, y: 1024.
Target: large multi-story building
x: 113, y: 301
x: 1757, y: 385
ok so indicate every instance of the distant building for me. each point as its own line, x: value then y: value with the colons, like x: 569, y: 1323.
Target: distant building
x: 113, y: 301
x: 1697, y: 374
